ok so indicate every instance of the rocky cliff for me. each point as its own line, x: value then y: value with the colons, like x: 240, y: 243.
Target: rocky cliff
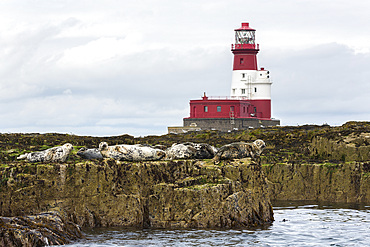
x: 334, y: 164
x: 148, y: 194
x: 349, y: 182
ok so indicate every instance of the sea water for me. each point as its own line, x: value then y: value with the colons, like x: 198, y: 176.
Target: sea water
x: 296, y: 224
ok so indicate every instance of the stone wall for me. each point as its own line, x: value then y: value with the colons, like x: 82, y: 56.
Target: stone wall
x: 147, y: 194
x: 226, y: 124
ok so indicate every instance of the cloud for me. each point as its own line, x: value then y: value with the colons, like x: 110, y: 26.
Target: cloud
x: 132, y: 66
x: 326, y: 83
x: 79, y: 114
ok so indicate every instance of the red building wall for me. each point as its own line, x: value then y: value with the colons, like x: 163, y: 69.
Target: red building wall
x: 225, y: 108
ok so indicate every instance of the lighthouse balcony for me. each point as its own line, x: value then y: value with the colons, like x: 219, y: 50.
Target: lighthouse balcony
x: 227, y: 98
x: 244, y: 46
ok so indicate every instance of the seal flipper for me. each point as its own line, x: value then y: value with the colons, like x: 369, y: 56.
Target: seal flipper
x: 22, y: 157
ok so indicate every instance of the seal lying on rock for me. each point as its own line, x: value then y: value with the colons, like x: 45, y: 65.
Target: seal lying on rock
x: 190, y: 150
x: 130, y: 152
x: 55, y: 154
x: 180, y: 151
x: 239, y: 150
x: 204, y: 150
x: 91, y: 153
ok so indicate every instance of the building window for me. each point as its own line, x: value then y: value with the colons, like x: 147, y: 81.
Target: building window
x: 205, y: 108
x: 255, y: 109
x: 218, y: 108
x: 255, y: 90
x: 243, y: 90
x: 232, y: 108
x: 243, y: 75
x: 243, y: 109
x: 241, y: 60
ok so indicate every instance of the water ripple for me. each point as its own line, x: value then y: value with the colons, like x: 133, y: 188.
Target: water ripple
x: 296, y: 224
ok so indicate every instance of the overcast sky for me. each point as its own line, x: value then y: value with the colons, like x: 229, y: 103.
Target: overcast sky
x: 115, y: 67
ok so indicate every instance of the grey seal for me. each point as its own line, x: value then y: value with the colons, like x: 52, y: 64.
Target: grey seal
x: 239, y: 150
x: 189, y: 150
x: 125, y: 152
x: 55, y: 154
x: 89, y: 153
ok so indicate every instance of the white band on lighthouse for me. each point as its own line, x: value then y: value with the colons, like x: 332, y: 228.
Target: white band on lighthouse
x: 251, y: 84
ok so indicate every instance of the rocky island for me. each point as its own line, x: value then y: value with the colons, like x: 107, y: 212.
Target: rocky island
x: 309, y: 162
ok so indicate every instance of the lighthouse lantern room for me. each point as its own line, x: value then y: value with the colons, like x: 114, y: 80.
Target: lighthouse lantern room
x: 249, y: 103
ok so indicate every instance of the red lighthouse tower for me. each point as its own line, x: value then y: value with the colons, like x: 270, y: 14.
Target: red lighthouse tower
x: 245, y: 50
x: 249, y: 103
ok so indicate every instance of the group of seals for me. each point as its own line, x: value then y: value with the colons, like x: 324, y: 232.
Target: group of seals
x: 188, y: 150
x: 140, y: 152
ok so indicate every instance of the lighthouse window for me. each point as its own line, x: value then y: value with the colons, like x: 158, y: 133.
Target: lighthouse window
x: 255, y: 90
x: 205, y: 108
x: 218, y: 108
x: 243, y: 90
x: 243, y: 75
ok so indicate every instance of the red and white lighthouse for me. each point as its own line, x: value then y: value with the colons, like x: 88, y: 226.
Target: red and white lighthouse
x: 249, y: 103
x: 249, y: 82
